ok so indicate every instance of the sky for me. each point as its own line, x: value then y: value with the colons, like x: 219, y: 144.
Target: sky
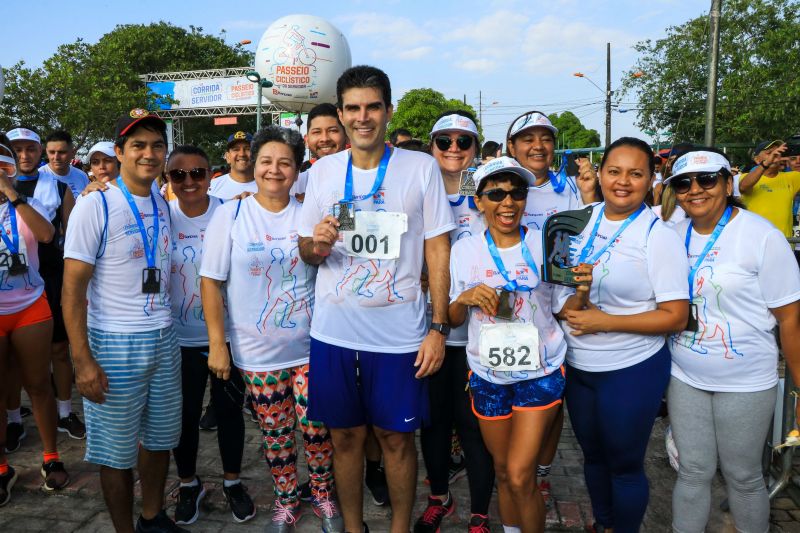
x: 516, y: 55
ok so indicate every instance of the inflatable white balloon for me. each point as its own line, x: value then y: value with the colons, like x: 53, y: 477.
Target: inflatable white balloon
x: 303, y: 56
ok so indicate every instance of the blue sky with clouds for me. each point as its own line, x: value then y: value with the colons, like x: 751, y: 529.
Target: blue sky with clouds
x: 519, y: 55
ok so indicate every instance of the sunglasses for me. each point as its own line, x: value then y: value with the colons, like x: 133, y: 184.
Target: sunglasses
x: 683, y: 184
x: 498, y: 195
x: 178, y: 175
x: 444, y: 142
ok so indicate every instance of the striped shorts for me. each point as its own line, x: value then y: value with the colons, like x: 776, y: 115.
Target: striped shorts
x: 143, y: 403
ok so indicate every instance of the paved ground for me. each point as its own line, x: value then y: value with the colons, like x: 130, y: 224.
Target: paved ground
x: 80, y: 507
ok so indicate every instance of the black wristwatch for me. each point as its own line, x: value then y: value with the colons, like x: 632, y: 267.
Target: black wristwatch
x: 762, y: 165
x: 444, y: 329
x: 21, y: 199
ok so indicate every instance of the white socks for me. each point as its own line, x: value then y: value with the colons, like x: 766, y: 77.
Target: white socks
x: 64, y: 408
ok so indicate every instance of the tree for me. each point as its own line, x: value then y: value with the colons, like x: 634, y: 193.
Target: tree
x: 758, y: 93
x: 573, y: 134
x: 418, y: 108
x: 84, y: 87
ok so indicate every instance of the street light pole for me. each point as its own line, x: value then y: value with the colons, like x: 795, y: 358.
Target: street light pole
x: 713, y: 63
x: 261, y: 84
x: 608, y: 94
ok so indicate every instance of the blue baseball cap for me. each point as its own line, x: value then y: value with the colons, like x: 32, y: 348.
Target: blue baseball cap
x: 239, y: 136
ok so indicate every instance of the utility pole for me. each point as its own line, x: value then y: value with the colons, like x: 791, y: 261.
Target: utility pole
x: 608, y: 94
x: 713, y: 64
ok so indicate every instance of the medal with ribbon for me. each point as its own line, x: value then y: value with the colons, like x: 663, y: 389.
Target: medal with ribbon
x: 151, y: 276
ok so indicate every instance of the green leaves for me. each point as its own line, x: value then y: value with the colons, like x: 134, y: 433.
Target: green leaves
x: 758, y: 93
x: 573, y: 134
x: 418, y: 108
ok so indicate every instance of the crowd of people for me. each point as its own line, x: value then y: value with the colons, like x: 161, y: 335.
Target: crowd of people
x: 379, y: 289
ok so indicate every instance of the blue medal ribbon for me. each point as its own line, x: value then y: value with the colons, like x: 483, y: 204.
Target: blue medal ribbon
x: 13, y: 244
x: 28, y: 178
x: 726, y: 216
x: 149, y: 253
x: 348, y: 181
x: 559, y: 179
x: 470, y: 202
x: 611, y: 241
x: 512, y: 284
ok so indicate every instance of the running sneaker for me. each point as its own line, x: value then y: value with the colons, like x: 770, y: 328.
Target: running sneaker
x: 6, y: 484
x: 15, y: 432
x: 160, y: 523
x: 284, y: 519
x: 376, y: 483
x: 72, y: 426
x: 431, y: 519
x: 327, y: 510
x: 544, y: 490
x: 187, y: 510
x: 304, y: 492
x: 25, y: 412
x: 55, y: 476
x: 208, y: 422
x: 478, y: 523
x: 457, y: 470
x: 242, y: 507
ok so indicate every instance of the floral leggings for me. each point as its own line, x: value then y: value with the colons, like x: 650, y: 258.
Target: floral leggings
x: 281, y: 398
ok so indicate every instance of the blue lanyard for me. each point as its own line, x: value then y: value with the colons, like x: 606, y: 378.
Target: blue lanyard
x: 726, y: 216
x: 348, y: 182
x: 559, y: 179
x: 149, y: 254
x: 28, y: 178
x: 512, y: 285
x: 470, y: 202
x: 611, y: 241
x: 13, y: 244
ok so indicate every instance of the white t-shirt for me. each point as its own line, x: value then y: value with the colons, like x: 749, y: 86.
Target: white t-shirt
x: 20, y: 291
x: 116, y: 301
x: 678, y: 215
x: 371, y: 304
x: 300, y: 185
x: 226, y: 187
x: 646, y: 266
x: 471, y: 264
x: 748, y: 271
x: 270, y: 289
x: 543, y: 201
x: 76, y: 179
x: 184, y: 287
x: 46, y: 192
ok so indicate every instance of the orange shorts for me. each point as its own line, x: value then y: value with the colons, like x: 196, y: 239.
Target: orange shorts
x: 38, y: 311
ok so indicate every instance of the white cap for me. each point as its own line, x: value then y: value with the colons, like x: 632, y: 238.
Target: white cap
x: 23, y: 134
x: 499, y: 165
x: 531, y: 119
x: 455, y: 122
x: 106, y: 147
x: 699, y: 161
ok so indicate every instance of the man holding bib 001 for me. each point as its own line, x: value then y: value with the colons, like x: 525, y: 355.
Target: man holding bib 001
x: 370, y: 216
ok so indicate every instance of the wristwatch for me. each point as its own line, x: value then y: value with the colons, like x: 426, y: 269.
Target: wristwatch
x: 444, y: 329
x: 762, y: 165
x: 21, y: 199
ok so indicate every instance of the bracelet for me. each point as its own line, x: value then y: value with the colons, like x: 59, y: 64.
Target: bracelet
x: 762, y: 165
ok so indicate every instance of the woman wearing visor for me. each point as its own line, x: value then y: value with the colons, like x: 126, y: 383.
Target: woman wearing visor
x: 454, y: 145
x: 516, y: 348
x: 742, y: 281
x: 103, y: 164
x: 26, y: 323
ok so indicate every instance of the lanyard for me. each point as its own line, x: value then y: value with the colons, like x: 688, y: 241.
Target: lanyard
x: 559, y: 179
x: 28, y: 178
x: 13, y: 244
x: 149, y: 253
x: 470, y: 202
x: 611, y: 241
x: 512, y: 285
x: 726, y: 216
x: 348, y: 182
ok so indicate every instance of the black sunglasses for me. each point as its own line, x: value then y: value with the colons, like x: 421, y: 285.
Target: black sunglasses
x: 178, y: 174
x: 498, y: 195
x: 683, y: 184
x: 444, y: 142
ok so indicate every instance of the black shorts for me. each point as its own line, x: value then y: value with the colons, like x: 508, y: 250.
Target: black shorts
x: 52, y: 287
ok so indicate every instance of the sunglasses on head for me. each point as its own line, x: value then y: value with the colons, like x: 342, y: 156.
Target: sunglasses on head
x: 178, y: 175
x: 498, y: 195
x: 444, y: 142
x: 683, y: 184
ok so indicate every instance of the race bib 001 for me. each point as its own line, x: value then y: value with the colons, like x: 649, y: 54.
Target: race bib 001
x: 377, y: 235
x: 509, y: 347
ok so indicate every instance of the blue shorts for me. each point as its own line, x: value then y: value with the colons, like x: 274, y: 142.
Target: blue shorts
x: 492, y: 401
x: 143, y: 402
x: 351, y: 388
